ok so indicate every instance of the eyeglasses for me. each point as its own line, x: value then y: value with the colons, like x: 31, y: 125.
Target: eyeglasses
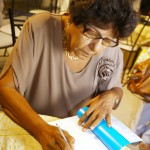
x: 91, y: 34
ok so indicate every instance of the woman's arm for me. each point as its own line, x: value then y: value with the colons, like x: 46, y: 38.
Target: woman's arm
x: 119, y: 93
x: 17, y: 108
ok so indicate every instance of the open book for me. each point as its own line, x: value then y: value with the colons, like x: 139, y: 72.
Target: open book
x: 117, y: 137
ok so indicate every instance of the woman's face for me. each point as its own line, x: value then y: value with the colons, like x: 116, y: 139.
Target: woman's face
x: 83, y: 42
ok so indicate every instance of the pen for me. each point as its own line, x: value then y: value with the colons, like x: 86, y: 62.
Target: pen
x: 62, y: 134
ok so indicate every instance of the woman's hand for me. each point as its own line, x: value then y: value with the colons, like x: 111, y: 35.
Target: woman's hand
x: 51, y: 139
x: 99, y: 107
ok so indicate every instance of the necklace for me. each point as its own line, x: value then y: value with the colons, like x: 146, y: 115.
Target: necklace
x: 70, y: 57
x: 64, y: 42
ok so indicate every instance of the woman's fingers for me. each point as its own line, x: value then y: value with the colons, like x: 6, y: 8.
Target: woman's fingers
x: 58, y: 142
x: 61, y: 142
x: 70, y: 139
x: 91, y: 119
x: 97, y: 121
x: 63, y: 145
x: 52, y: 146
x: 89, y: 122
x: 86, y: 115
x: 108, y: 120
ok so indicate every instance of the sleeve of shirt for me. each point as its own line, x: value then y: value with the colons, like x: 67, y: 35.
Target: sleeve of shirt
x: 115, y: 80
x: 21, y: 58
x: 31, y: 46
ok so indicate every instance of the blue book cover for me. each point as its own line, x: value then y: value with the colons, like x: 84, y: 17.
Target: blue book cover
x: 111, y: 138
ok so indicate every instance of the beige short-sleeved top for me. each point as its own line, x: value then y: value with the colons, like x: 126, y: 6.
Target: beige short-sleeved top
x: 45, y: 80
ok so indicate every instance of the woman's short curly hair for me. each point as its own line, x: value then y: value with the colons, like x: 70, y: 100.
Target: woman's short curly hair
x: 116, y: 14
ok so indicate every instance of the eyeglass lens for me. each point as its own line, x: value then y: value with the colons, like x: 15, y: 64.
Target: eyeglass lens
x: 96, y: 35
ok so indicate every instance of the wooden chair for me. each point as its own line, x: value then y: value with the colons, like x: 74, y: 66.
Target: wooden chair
x: 131, y: 51
x: 16, y: 23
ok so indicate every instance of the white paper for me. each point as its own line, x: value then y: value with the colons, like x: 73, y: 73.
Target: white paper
x: 83, y: 140
x: 124, y: 130
x: 87, y: 140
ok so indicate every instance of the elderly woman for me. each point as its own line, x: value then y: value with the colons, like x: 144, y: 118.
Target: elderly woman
x: 63, y: 62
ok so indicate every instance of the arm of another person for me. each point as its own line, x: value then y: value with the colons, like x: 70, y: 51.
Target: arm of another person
x: 17, y: 108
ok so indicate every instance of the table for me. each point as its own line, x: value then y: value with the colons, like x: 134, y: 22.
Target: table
x: 13, y: 137
x: 7, y: 29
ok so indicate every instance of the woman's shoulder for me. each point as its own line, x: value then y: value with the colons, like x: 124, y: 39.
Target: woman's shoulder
x: 114, y: 53
x: 42, y: 19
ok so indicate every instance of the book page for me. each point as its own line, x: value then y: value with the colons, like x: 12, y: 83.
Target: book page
x: 83, y: 140
x: 124, y: 131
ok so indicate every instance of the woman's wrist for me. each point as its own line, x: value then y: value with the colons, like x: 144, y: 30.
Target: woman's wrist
x: 118, y: 92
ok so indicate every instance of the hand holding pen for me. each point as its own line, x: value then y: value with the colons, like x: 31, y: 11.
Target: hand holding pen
x: 70, y: 146
x: 50, y: 138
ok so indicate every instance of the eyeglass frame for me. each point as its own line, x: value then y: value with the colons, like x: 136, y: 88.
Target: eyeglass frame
x: 85, y: 29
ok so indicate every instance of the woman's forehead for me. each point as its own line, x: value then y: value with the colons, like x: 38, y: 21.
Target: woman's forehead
x: 105, y: 33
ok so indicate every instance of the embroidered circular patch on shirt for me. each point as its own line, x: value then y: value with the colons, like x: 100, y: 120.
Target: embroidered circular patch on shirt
x: 106, y: 68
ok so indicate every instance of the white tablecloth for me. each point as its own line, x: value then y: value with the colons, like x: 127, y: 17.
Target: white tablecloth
x: 13, y: 137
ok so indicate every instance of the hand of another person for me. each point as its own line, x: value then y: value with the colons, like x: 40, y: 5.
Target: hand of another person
x: 143, y: 146
x: 99, y: 107
x: 51, y: 139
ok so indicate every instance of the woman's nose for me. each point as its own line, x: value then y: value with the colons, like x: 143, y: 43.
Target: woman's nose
x: 96, y: 45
